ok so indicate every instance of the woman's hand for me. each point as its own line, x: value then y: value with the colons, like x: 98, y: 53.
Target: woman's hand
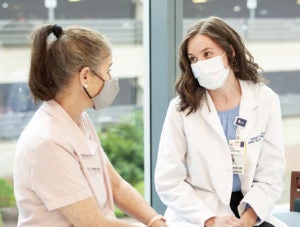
x: 226, y: 221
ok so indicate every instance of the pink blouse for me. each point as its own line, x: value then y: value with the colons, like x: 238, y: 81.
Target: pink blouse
x: 57, y: 164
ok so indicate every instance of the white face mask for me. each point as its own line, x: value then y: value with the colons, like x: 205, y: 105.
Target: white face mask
x: 107, y: 95
x: 210, y: 73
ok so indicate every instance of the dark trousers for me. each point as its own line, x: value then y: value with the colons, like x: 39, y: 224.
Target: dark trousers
x: 235, y: 200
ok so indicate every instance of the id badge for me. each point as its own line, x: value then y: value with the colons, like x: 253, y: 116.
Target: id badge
x: 238, y: 150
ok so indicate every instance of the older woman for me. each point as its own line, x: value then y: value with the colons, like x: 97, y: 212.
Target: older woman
x: 62, y: 176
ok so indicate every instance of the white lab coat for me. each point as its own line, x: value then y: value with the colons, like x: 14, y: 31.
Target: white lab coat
x: 193, y: 175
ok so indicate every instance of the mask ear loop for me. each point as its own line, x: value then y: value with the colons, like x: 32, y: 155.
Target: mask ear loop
x: 85, y: 89
x: 85, y: 86
x: 98, y: 75
x: 87, y: 93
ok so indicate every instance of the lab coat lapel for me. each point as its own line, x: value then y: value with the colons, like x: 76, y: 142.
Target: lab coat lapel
x: 210, y: 114
x: 247, y: 110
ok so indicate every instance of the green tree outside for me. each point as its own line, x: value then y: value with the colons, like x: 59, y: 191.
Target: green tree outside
x: 7, y: 198
x: 124, y: 145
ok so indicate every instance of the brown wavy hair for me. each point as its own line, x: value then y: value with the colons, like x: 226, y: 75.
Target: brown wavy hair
x: 55, y: 58
x: 242, y: 63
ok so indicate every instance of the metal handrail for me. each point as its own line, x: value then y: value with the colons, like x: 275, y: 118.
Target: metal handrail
x: 120, y: 31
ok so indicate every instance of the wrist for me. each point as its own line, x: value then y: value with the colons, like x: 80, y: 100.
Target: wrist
x: 155, y: 219
x: 249, y: 216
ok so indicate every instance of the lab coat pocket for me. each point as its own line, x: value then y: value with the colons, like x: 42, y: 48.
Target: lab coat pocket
x: 212, y: 201
x: 253, y: 152
x: 209, y: 198
x: 252, y: 157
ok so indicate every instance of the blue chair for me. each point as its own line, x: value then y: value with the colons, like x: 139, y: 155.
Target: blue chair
x: 295, y: 192
x: 292, y: 218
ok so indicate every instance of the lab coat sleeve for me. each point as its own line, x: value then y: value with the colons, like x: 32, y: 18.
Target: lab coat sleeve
x: 267, y: 184
x: 171, y: 171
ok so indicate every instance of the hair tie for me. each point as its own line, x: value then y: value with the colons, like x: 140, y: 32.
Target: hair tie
x: 57, y: 31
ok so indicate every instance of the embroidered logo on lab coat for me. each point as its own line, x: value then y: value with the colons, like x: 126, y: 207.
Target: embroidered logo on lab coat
x: 257, y: 138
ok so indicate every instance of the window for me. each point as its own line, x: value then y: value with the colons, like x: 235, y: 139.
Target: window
x: 121, y: 22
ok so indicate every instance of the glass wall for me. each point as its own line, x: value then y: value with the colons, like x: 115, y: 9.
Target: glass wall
x: 271, y: 31
x: 121, y: 22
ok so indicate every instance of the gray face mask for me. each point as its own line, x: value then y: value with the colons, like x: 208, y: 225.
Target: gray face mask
x: 107, y: 95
